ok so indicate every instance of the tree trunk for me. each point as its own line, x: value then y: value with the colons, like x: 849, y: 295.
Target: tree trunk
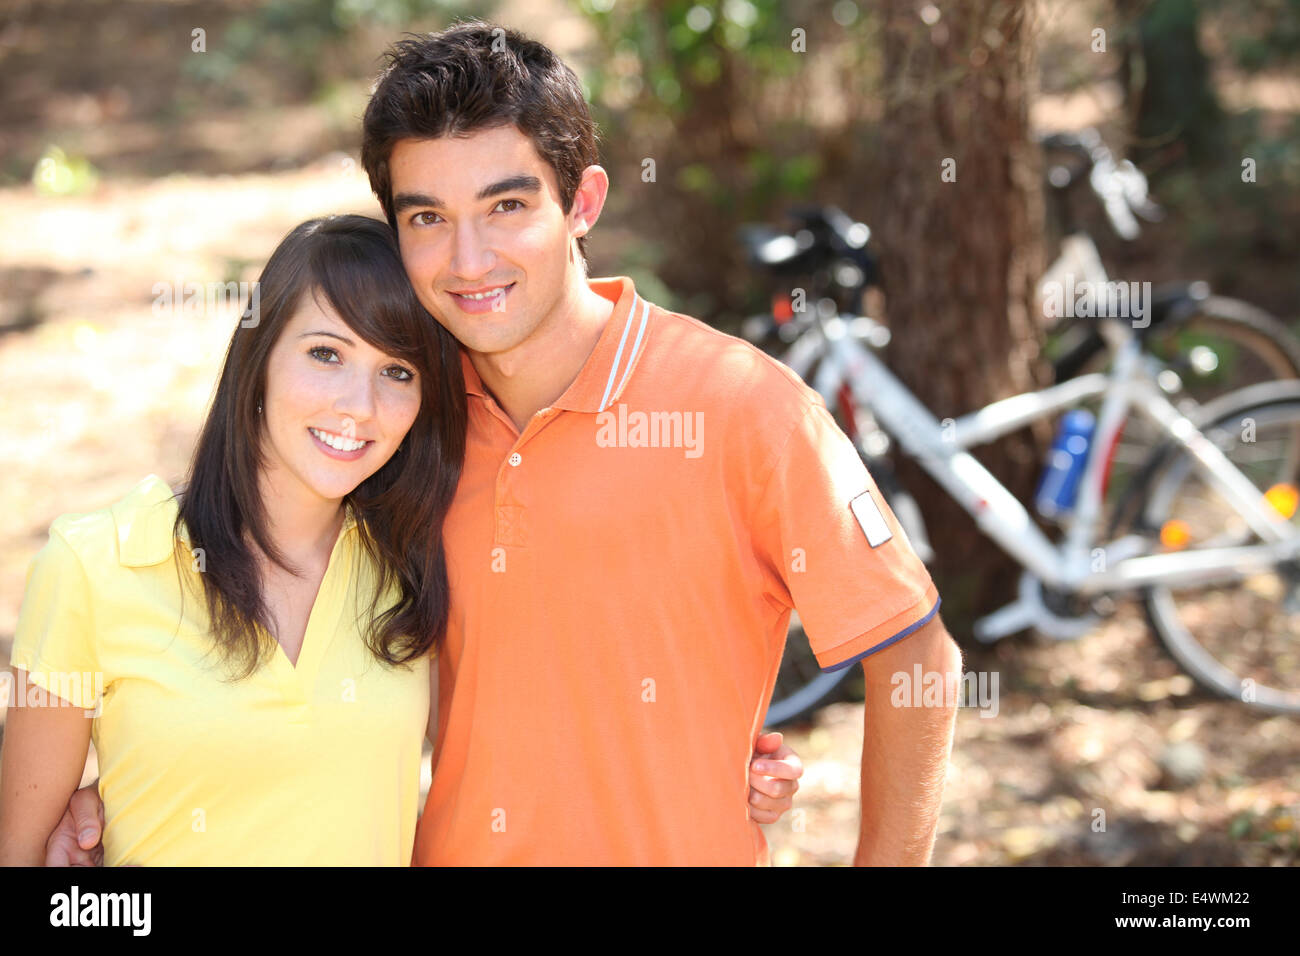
x: 961, y: 251
x: 1167, y: 83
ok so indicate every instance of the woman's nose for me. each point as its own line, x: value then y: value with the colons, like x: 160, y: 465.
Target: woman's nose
x: 357, y: 402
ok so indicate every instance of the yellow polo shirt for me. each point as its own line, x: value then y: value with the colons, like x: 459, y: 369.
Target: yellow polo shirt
x: 317, y: 764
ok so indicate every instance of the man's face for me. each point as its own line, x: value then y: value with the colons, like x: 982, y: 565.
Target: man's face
x: 482, y: 233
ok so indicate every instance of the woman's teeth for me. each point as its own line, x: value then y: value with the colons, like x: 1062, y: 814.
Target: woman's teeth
x: 337, y: 442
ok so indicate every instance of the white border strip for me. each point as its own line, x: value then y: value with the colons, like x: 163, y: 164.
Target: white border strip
x: 618, y: 355
x: 645, y: 314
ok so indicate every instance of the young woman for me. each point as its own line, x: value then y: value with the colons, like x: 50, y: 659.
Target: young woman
x: 251, y: 656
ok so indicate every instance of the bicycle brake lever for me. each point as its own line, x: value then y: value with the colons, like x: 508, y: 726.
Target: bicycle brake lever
x: 1133, y: 182
x: 1109, y: 188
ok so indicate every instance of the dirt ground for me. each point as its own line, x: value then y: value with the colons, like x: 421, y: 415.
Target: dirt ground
x: 1101, y: 753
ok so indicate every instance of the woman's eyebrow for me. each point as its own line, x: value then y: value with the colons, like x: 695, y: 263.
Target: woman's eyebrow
x: 332, y: 335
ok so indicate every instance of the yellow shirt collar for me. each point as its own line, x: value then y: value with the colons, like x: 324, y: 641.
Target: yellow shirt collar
x: 145, y: 520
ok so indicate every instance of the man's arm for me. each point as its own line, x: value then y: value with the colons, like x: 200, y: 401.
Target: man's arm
x: 76, y: 841
x: 905, y: 751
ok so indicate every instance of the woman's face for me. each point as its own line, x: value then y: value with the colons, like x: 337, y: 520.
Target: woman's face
x: 336, y: 408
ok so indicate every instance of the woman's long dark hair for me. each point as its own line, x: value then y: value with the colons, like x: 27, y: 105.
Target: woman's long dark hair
x: 353, y: 261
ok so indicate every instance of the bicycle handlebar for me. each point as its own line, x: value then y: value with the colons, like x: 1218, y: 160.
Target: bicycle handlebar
x: 826, y: 238
x: 1120, y: 186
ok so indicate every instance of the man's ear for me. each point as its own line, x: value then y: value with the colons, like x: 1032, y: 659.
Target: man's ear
x: 588, y: 201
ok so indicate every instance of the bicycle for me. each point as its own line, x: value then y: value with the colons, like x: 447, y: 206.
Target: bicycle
x: 1211, y: 344
x: 1205, y: 524
x: 1208, y: 343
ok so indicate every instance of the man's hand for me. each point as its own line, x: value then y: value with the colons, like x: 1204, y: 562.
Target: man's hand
x: 76, y: 840
x: 774, y: 773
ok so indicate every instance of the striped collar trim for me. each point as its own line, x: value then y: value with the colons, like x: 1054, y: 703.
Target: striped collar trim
x: 607, y: 371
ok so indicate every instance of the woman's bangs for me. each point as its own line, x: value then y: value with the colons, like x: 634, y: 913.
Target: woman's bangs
x: 367, y: 286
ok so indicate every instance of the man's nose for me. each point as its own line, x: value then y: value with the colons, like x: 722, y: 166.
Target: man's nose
x: 470, y: 257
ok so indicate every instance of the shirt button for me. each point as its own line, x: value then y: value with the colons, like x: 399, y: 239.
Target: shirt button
x: 516, y: 458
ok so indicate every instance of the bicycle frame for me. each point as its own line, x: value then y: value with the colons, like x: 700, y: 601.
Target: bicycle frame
x: 1077, y: 565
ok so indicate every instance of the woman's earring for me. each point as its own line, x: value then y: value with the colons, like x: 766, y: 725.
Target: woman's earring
x: 259, y: 407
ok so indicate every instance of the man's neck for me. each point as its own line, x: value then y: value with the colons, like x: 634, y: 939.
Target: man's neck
x: 536, y: 373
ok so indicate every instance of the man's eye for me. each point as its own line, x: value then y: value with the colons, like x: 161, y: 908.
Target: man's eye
x: 424, y: 218
x: 517, y: 204
x: 399, y: 372
x: 324, y: 353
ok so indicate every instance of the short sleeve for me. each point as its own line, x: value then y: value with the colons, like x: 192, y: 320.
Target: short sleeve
x: 845, y: 561
x: 53, y: 641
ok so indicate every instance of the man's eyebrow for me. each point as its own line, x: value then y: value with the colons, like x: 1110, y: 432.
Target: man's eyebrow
x: 407, y: 200
x: 332, y: 335
x: 511, y: 184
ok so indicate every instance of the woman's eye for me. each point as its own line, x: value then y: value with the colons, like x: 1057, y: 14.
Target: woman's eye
x: 323, y: 353
x: 400, y: 373
x: 517, y: 204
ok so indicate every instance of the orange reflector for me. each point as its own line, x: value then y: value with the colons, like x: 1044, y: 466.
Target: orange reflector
x: 782, y: 309
x: 1174, y: 534
x: 1283, y: 498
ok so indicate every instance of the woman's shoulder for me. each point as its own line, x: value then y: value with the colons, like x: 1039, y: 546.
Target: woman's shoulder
x: 135, y: 531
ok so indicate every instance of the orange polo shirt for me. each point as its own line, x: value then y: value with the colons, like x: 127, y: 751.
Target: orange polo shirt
x: 622, y: 576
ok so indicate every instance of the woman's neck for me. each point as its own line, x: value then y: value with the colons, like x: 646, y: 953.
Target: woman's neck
x: 303, y: 527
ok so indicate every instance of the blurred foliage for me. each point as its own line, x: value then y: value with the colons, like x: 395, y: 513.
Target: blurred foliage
x: 1262, y: 35
x: 58, y: 174
x: 304, y: 37
x: 1194, y: 147
x: 660, y: 72
x: 742, y: 105
x: 738, y: 123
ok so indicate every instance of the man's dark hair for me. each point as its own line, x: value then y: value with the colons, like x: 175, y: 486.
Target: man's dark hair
x: 475, y: 76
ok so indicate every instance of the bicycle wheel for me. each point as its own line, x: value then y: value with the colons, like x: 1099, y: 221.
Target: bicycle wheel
x: 1221, y: 345
x: 1217, y: 346
x: 1239, y: 639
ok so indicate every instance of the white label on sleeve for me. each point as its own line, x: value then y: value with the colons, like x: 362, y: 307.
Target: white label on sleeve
x: 870, y: 519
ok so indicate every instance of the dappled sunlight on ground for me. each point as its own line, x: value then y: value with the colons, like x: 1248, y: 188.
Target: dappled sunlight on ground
x: 1101, y: 753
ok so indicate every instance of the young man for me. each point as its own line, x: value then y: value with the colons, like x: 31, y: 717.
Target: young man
x: 644, y: 500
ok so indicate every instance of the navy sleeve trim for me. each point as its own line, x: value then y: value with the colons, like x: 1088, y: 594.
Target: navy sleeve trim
x: 883, y: 644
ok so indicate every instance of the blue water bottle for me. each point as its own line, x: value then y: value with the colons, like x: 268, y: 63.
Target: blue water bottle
x: 1059, y: 485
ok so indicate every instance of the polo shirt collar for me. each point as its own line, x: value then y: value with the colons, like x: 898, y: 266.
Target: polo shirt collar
x: 145, y: 522
x: 608, y: 369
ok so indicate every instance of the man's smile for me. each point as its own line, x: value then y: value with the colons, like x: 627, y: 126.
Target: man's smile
x: 482, y: 299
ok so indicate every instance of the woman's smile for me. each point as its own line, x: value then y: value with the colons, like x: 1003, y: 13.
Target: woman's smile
x: 339, y: 446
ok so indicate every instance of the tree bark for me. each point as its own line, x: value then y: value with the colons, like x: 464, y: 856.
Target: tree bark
x: 961, y: 258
